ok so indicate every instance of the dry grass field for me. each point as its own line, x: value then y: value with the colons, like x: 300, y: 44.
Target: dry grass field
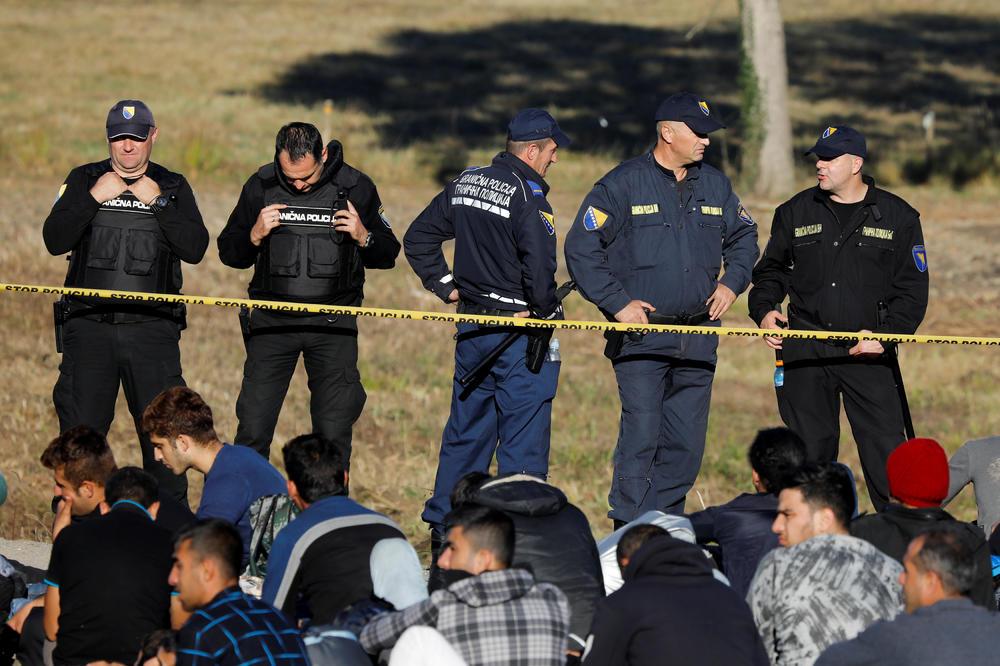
x: 419, y: 90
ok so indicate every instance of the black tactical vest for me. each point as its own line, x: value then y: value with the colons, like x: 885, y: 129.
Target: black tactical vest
x: 305, y: 258
x: 125, y: 250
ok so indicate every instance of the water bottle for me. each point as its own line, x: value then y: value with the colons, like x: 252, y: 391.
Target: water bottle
x: 779, y: 370
x: 553, y: 353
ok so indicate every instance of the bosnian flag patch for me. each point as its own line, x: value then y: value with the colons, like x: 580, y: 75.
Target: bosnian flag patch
x: 548, y: 219
x: 920, y: 258
x: 594, y: 218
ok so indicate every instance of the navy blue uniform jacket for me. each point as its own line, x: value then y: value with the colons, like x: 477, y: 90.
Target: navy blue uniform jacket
x: 641, y: 235
x: 505, y: 239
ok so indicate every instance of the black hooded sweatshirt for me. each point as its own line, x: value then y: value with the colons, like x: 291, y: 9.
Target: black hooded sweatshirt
x: 671, y: 610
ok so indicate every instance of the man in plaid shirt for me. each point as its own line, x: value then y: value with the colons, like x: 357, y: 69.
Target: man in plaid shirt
x: 497, y: 616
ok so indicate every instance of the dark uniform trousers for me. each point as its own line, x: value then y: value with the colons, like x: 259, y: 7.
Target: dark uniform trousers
x: 661, y: 439
x: 809, y: 404
x: 330, y: 354
x: 509, y: 412
x: 143, y: 357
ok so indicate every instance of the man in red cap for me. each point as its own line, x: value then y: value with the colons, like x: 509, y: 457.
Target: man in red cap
x: 918, y: 484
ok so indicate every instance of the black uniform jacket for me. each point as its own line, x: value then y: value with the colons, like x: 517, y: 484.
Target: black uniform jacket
x: 505, y: 239
x: 74, y: 209
x: 236, y: 250
x: 835, y: 277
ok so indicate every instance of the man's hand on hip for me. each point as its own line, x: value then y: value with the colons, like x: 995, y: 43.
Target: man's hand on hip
x: 635, y: 312
x: 720, y: 301
x: 770, y: 321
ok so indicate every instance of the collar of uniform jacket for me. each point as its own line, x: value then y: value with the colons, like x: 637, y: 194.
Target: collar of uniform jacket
x: 693, y: 169
x: 334, y: 160
x: 869, y: 200
x: 518, y: 165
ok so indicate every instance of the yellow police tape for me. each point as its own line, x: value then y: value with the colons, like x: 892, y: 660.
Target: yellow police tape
x: 566, y: 325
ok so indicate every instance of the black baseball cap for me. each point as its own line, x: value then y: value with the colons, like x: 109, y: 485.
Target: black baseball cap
x: 530, y: 124
x: 691, y: 110
x: 837, y: 141
x: 130, y: 117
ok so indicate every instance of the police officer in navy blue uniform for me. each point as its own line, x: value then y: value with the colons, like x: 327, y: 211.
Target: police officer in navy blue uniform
x: 505, y: 264
x: 309, y: 224
x: 850, y: 257
x: 652, y: 237
x: 127, y: 223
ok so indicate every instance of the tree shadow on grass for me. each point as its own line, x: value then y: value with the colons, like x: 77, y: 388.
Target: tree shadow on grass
x: 605, y: 80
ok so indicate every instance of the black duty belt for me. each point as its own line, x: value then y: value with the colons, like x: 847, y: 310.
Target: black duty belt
x: 798, y: 322
x: 114, y: 313
x: 683, y: 319
x: 465, y: 307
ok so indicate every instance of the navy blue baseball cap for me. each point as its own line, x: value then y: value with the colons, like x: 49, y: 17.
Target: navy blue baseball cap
x: 691, y: 110
x: 531, y: 124
x: 837, y: 141
x: 130, y: 117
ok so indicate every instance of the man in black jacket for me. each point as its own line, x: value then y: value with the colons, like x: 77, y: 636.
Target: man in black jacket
x: 850, y: 257
x: 918, y: 483
x: 741, y: 528
x: 309, y: 224
x: 128, y: 223
x: 671, y: 610
x: 553, y: 540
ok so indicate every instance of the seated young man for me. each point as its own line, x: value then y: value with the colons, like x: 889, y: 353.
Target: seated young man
x: 320, y: 562
x: 226, y: 627
x: 941, y: 625
x: 823, y: 585
x: 742, y: 527
x: 552, y: 539
x: 918, y: 482
x: 107, y: 576
x: 499, y: 615
x: 181, y: 429
x: 671, y: 604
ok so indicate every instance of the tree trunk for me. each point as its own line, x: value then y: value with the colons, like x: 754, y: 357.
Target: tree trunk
x: 767, y: 153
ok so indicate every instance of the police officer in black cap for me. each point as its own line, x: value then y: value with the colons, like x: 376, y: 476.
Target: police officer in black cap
x: 505, y: 264
x: 649, y: 243
x: 850, y: 257
x: 128, y: 223
x: 309, y: 224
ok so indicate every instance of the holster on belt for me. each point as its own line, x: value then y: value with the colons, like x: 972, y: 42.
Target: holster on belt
x: 245, y: 324
x: 537, y: 348
x: 60, y: 312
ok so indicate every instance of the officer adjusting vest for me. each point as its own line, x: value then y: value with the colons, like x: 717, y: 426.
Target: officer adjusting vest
x: 305, y: 258
x: 125, y: 250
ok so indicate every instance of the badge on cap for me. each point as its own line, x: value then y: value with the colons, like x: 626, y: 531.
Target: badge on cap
x: 548, y: 219
x: 744, y: 215
x: 594, y: 219
x: 920, y: 258
x: 703, y: 105
x: 128, y: 112
x: 828, y: 131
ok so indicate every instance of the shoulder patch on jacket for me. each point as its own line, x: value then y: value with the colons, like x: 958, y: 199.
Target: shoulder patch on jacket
x: 744, y: 215
x: 594, y: 218
x: 62, y: 190
x: 549, y: 220
x: 385, y: 220
x: 536, y: 189
x: 920, y: 257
